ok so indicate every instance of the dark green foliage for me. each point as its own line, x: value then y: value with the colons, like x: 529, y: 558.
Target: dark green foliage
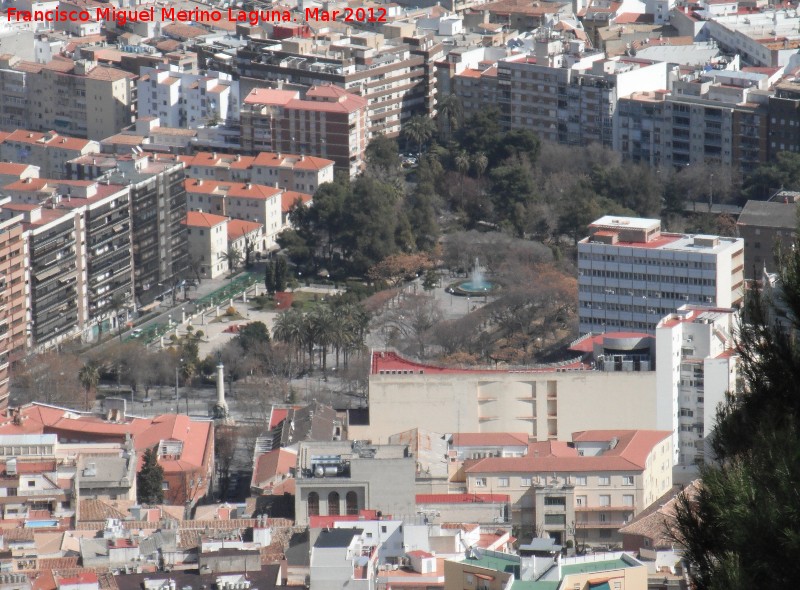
x: 149, y: 480
x: 784, y: 172
x: 253, y: 335
x: 383, y: 154
x: 269, y: 277
x: 280, y: 274
x: 742, y: 529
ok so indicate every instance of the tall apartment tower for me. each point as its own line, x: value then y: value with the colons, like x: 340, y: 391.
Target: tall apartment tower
x: 632, y: 274
x: 158, y: 207
x: 13, y: 307
x: 695, y: 367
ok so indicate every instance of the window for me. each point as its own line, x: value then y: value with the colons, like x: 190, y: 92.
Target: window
x: 603, y: 517
x: 627, y: 500
x: 580, y: 480
x: 351, y: 503
x: 32, y: 484
x: 383, y: 528
x: 313, y: 504
x: 333, y: 504
x: 164, y: 485
x: 627, y: 480
x: 502, y: 482
x: 580, y: 500
x: 605, y: 533
x: 604, y: 480
x: 605, y: 500
x: 525, y: 482
x: 480, y: 482
x: 555, y: 519
x: 555, y: 501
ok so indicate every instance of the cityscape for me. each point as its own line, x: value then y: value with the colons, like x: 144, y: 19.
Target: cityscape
x: 453, y: 295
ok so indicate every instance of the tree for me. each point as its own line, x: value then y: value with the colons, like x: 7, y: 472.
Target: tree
x: 382, y: 154
x: 431, y: 280
x: 419, y: 129
x: 233, y: 257
x: 89, y: 377
x: 269, y: 277
x: 253, y: 335
x: 115, y: 305
x: 449, y: 114
x: 480, y: 162
x: 280, y: 274
x: 741, y: 526
x: 150, y: 479
x: 462, y: 165
x: 225, y: 440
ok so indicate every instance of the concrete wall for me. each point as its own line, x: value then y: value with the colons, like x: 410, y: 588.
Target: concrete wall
x: 510, y: 402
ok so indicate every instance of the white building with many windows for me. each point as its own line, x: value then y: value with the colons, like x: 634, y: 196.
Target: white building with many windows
x: 632, y: 274
x: 695, y: 366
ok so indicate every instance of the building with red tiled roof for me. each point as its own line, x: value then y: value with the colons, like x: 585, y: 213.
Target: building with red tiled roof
x: 273, y: 468
x: 50, y: 151
x: 245, y: 201
x: 185, y: 447
x: 282, y: 120
x: 290, y: 172
x: 599, y: 481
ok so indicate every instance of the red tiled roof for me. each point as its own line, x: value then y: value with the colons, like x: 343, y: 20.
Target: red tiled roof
x: 629, y: 454
x: 273, y: 464
x: 461, y: 498
x: 289, y: 198
x: 200, y: 219
x: 491, y: 439
x: 240, y: 227
x: 83, y: 578
x: 419, y: 553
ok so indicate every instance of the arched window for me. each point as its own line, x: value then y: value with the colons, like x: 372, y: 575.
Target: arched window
x: 313, y: 504
x: 351, y: 501
x: 333, y: 504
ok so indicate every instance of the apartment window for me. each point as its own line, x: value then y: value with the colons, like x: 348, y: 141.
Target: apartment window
x: 580, y: 500
x: 604, y: 480
x: 502, y: 482
x: 480, y: 482
x: 164, y: 485
x: 580, y: 480
x: 603, y: 517
x: 555, y: 501
x: 627, y: 500
x: 525, y: 482
x: 31, y: 483
x: 627, y: 480
x: 605, y: 500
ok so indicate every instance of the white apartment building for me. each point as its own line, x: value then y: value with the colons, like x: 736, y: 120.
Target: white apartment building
x: 187, y: 100
x: 207, y: 235
x: 695, y: 367
x: 239, y: 200
x: 631, y: 274
x: 585, y: 489
x: 289, y: 172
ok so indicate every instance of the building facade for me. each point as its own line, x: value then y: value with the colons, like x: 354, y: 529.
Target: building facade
x: 328, y: 122
x: 631, y: 274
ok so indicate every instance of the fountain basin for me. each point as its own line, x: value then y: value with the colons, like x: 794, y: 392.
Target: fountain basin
x: 470, y: 289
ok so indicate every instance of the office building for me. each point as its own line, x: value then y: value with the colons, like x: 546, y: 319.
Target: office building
x: 631, y: 274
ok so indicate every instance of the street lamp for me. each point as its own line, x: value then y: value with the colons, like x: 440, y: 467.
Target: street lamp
x: 177, y: 368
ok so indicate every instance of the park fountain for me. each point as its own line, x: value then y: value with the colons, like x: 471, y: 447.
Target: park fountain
x: 477, y: 285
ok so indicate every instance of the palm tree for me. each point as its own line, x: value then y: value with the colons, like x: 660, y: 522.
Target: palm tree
x: 233, y: 256
x: 481, y: 163
x: 89, y: 377
x: 323, y: 325
x: 450, y: 110
x: 419, y: 129
x: 288, y: 329
x: 462, y: 165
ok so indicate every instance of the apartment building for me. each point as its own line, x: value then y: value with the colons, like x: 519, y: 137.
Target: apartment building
x: 697, y: 367
x: 13, y: 298
x: 239, y: 200
x: 342, y: 478
x: 328, y: 122
x: 79, y: 98
x: 767, y: 227
x: 289, y: 172
x: 719, y: 116
x: 50, y: 151
x: 784, y: 118
x: 183, y: 99
x: 14, y: 111
x: 158, y: 208
x: 184, y: 446
x: 79, y: 250
x: 562, y: 92
x: 396, y: 78
x: 631, y: 274
x: 548, y: 402
x: 586, y: 489
x: 207, y: 237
